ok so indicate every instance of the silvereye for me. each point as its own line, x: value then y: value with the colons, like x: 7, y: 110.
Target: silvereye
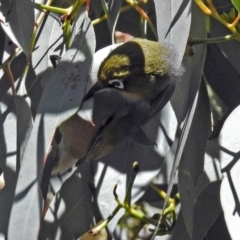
x: 134, y: 82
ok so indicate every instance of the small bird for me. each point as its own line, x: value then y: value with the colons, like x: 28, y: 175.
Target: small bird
x: 134, y: 82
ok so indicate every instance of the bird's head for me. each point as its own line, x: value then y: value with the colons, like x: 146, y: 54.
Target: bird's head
x: 140, y: 67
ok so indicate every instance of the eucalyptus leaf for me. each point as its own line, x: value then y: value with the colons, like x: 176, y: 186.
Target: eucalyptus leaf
x: 19, y: 22
x: 189, y: 195
x: 230, y: 165
x: 173, y: 24
x: 236, y: 4
x: 211, y: 164
x: 71, y: 212
x: 186, y: 88
x: 180, y: 232
x: 217, y: 71
x: 191, y: 166
x: 9, y: 160
x: 228, y: 47
x: 24, y: 121
x: 49, y: 42
x: 67, y: 85
x: 218, y: 230
x: 79, y: 184
x: 186, y: 103
x: 194, y: 151
x: 16, y: 69
x: 2, y: 45
x: 206, y: 210
x: 78, y: 22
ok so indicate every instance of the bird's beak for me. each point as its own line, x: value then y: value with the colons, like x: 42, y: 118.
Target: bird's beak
x: 96, y: 87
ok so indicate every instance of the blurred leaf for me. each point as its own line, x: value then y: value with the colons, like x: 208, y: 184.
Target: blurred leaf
x: 236, y: 4
x: 206, y: 210
x: 67, y: 85
x: 230, y: 165
x: 224, y: 80
x: 173, y: 24
x: 19, y: 22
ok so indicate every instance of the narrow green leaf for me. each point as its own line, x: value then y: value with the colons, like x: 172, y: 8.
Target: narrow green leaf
x: 236, y: 4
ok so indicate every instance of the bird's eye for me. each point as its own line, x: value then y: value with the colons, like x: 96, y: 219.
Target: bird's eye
x: 152, y: 78
x: 117, y: 83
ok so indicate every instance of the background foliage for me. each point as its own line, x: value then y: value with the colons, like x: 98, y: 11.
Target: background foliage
x: 197, y: 132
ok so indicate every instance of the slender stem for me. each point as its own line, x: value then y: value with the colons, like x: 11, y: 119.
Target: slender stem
x: 36, y: 26
x: 8, y: 71
x: 11, y: 58
x: 135, y: 5
x: 52, y: 9
x: 211, y: 11
x: 104, y: 17
x: 115, y: 211
x: 116, y: 196
x: 162, y: 193
x: 141, y: 216
x: 145, y: 16
x: 6, y: 67
x: 67, y: 31
x: 135, y: 168
x: 212, y: 8
x: 233, y: 25
x: 196, y: 41
x: 203, y: 7
x: 75, y: 8
x: 125, y: 8
x: 102, y: 225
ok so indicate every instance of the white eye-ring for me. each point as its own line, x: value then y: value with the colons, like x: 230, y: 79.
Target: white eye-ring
x: 152, y: 78
x: 117, y: 83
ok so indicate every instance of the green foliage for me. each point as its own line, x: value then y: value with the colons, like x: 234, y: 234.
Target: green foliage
x: 236, y: 4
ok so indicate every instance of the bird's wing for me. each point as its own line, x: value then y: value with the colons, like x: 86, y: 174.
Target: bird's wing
x: 99, y: 149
